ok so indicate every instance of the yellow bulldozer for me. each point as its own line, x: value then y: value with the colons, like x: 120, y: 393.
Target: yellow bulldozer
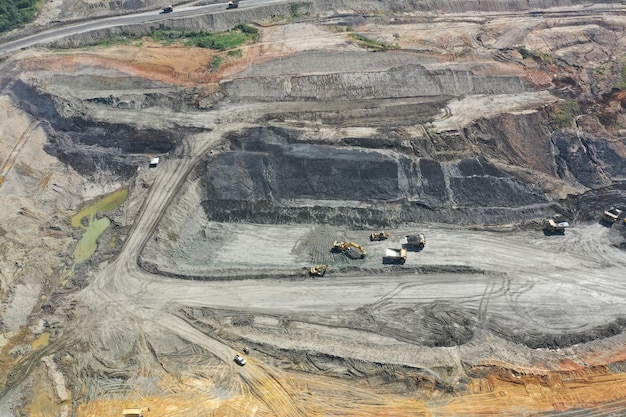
x: 346, y: 247
x: 379, y: 236
x: 318, y: 271
x: 611, y: 215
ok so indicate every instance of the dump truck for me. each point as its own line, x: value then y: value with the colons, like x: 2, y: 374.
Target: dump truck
x: 397, y: 256
x: 347, y: 247
x: 415, y: 241
x: 318, y: 271
x: 233, y: 4
x: 555, y: 226
x: 168, y: 9
x: 379, y: 236
x: 611, y: 215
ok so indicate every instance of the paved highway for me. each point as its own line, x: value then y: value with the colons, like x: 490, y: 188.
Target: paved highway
x: 53, y: 34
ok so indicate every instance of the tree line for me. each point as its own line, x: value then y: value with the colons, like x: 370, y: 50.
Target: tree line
x: 16, y: 13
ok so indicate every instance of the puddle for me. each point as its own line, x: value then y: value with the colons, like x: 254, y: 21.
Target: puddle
x: 41, y: 341
x: 86, y: 219
x: 106, y: 203
x: 89, y: 241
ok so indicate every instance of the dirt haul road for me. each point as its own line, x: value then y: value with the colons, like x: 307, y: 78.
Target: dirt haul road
x: 484, y: 320
x: 522, y: 285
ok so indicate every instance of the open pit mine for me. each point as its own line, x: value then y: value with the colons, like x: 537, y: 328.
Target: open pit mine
x: 314, y: 208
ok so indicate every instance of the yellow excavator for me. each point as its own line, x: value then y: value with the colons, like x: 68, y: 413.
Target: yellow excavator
x: 318, y: 271
x: 379, y: 236
x: 345, y: 246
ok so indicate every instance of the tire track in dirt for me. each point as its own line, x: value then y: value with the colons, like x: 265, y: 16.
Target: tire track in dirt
x: 8, y: 163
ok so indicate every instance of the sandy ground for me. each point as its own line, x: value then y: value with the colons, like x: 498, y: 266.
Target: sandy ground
x: 533, y: 283
x: 359, y: 340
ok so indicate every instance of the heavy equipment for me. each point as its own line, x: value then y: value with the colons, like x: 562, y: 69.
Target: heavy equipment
x: 611, y: 215
x: 395, y: 256
x: 318, y: 271
x: 379, y: 236
x: 555, y: 226
x: 415, y: 241
x: 346, y: 247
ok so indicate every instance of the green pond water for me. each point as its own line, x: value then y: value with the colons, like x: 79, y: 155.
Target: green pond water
x: 93, y: 227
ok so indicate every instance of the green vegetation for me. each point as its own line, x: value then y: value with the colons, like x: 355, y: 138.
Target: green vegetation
x: 16, y: 13
x: 300, y: 10
x: 564, y: 113
x: 621, y: 83
x: 216, y: 62
x: 231, y: 55
x: 371, y: 44
x: 220, y: 41
x: 539, y: 57
x: 123, y: 39
x: 612, y: 74
x: 601, y: 69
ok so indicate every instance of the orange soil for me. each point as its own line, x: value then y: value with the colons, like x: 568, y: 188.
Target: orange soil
x: 169, y: 64
x: 499, y: 393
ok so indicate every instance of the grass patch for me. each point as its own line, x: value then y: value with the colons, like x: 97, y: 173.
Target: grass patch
x: 564, y: 113
x: 621, y: 83
x: 123, y: 39
x: 301, y: 10
x: 371, y: 44
x: 539, y: 57
x: 220, y: 41
x: 223, y: 58
x: 216, y: 62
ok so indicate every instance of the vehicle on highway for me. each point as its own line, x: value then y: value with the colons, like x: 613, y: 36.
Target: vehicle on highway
x: 168, y: 9
x: 239, y: 360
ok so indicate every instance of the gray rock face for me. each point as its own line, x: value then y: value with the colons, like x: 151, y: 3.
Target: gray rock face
x: 267, y: 179
x: 405, y: 81
x: 589, y: 161
x: 88, y: 146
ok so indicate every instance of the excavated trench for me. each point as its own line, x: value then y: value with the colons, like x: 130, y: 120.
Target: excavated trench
x: 266, y: 177
x: 488, y: 172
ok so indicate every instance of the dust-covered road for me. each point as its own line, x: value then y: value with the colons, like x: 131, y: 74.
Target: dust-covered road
x: 524, y: 280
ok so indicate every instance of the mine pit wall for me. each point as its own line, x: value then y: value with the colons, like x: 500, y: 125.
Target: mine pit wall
x: 269, y: 176
x: 404, y: 81
x: 227, y: 19
x: 91, y: 147
x: 432, y: 178
x: 267, y: 179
